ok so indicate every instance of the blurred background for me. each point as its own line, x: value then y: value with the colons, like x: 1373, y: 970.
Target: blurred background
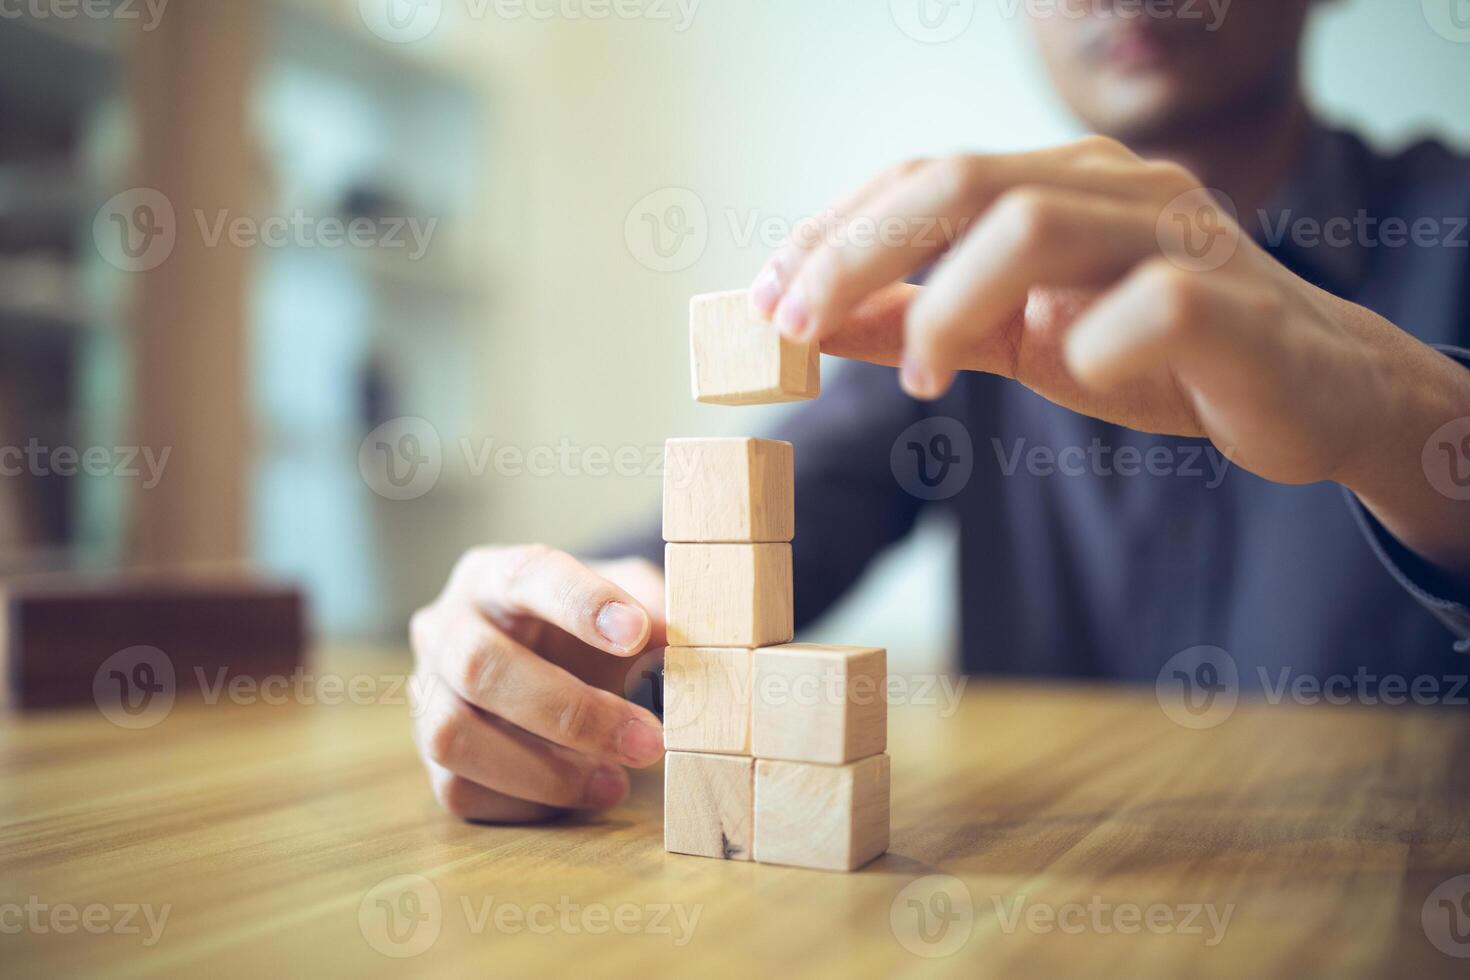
x: 340, y: 288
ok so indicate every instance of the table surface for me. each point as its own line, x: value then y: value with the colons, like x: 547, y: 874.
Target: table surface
x: 1084, y: 832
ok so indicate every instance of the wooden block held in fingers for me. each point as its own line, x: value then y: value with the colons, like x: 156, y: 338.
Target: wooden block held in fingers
x: 727, y: 595
x: 740, y: 359
x: 708, y: 803
x: 817, y: 703
x: 814, y: 816
x: 707, y: 699
x: 729, y: 490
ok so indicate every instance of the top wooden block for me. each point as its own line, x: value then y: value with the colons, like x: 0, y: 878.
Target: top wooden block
x: 739, y: 359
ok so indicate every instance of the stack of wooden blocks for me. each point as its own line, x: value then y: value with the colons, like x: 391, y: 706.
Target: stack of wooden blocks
x: 775, y: 749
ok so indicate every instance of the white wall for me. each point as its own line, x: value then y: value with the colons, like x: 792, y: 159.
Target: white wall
x: 766, y: 107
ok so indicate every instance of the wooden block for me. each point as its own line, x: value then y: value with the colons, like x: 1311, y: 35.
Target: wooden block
x: 729, y: 490
x: 58, y: 630
x: 740, y: 359
x: 727, y: 595
x: 814, y: 816
x: 708, y: 802
x: 707, y: 699
x: 816, y: 703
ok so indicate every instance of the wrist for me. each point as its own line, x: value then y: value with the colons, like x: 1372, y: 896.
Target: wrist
x: 1417, y: 392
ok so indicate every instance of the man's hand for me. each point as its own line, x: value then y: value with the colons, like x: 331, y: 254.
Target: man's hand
x: 516, y: 660
x: 1120, y: 288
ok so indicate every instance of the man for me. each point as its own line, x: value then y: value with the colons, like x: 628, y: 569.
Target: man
x: 1302, y: 507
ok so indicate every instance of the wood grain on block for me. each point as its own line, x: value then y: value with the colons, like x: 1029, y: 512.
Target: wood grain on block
x: 707, y: 699
x: 729, y: 490
x: 708, y: 804
x: 738, y: 358
x: 815, y: 816
x: 818, y: 703
x: 727, y: 595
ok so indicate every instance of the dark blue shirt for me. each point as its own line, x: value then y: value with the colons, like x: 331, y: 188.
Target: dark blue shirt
x: 1090, y: 550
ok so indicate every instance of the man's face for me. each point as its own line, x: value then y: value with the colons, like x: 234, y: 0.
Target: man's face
x: 1140, y: 69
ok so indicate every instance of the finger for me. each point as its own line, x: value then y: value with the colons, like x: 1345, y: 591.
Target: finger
x: 919, y: 216
x: 1210, y: 327
x: 469, y: 800
x: 776, y: 275
x: 494, y: 754
x: 874, y: 330
x: 553, y: 586
x: 1032, y: 236
x: 496, y: 674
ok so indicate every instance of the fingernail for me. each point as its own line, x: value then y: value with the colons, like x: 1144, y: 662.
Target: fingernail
x: 640, y: 743
x: 792, y: 315
x: 916, y: 380
x: 607, y: 787
x: 621, y: 625
x: 766, y: 292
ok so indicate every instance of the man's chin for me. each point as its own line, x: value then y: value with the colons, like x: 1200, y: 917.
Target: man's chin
x: 1142, y: 111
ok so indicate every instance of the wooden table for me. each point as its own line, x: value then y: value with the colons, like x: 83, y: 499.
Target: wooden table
x: 1086, y: 834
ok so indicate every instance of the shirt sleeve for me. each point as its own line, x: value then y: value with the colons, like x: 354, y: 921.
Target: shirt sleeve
x: 849, y: 506
x: 1435, y: 590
